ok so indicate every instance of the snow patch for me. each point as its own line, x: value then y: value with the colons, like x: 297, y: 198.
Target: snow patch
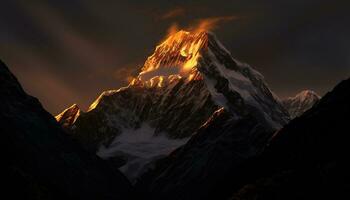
x: 141, y: 148
x: 164, y: 71
x: 217, y: 97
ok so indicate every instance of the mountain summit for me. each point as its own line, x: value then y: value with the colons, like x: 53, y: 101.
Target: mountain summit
x: 177, y: 55
x: 189, y: 77
x: 302, y: 102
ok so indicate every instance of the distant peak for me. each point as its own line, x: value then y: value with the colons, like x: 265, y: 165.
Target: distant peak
x: 69, y: 115
x: 307, y: 94
x: 301, y: 102
x: 304, y: 96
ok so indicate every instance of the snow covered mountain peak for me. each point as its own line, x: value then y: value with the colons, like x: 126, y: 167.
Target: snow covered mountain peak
x: 307, y: 94
x: 188, y: 77
x: 190, y: 72
x: 301, y: 102
x: 69, y: 115
x: 199, y: 56
x: 177, y: 56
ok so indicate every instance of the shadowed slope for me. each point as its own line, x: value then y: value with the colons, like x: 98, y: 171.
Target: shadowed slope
x: 41, y: 162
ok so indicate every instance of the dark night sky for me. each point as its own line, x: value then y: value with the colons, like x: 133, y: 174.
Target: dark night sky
x: 69, y: 51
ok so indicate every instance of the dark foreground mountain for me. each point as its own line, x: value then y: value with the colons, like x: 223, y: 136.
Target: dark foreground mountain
x: 307, y: 159
x: 40, y: 161
x: 187, y: 79
x: 302, y: 102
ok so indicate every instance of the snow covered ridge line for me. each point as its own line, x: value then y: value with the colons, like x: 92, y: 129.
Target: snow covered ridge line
x: 170, y: 57
x: 301, y: 102
x: 242, y: 79
x: 306, y: 95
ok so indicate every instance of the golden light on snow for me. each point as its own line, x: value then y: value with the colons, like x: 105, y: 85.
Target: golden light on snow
x: 178, y: 54
x: 160, y: 82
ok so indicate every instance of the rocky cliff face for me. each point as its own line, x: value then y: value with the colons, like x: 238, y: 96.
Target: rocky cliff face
x: 302, y: 102
x: 187, y: 79
x: 40, y: 161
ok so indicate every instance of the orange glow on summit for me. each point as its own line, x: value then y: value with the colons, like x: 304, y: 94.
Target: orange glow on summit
x: 177, y: 55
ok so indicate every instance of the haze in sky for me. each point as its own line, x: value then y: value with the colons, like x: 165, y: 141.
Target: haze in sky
x: 69, y: 51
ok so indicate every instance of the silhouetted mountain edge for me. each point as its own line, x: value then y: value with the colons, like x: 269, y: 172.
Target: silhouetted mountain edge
x: 42, y: 162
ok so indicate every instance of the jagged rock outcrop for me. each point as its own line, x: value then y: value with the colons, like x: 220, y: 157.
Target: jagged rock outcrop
x: 68, y: 117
